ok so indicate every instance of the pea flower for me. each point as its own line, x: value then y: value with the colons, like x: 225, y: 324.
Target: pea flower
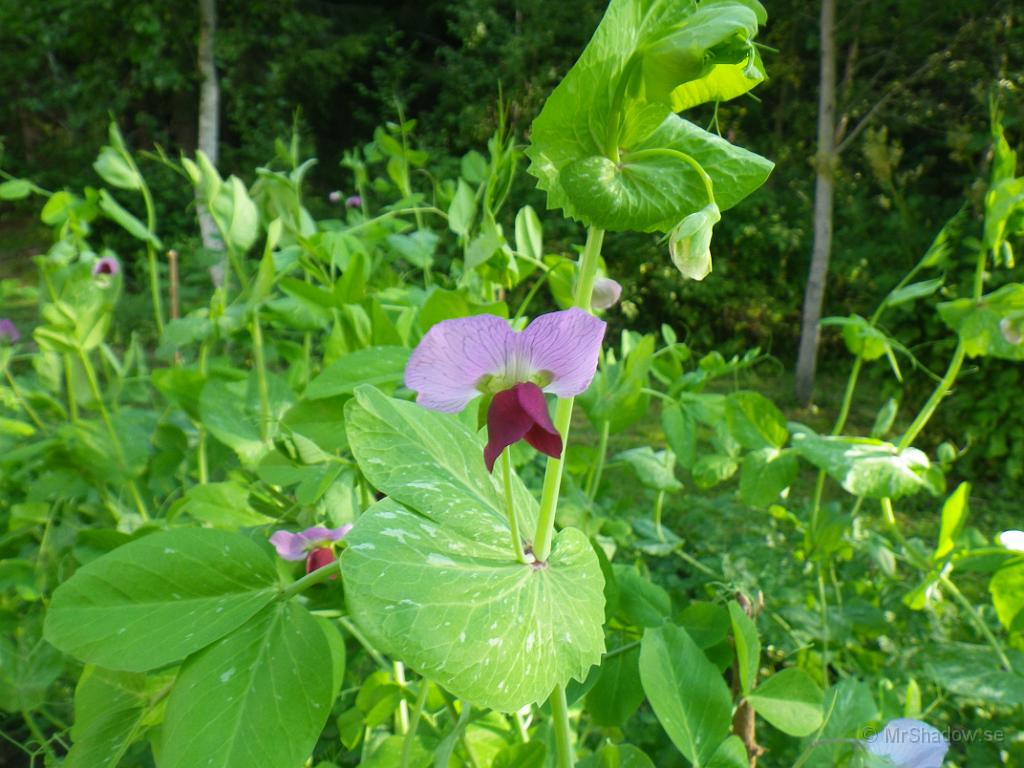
x: 1012, y: 540
x: 315, y: 544
x: 606, y: 293
x: 334, y: 197
x: 464, y: 357
x: 353, y: 201
x: 9, y: 333
x: 108, y: 266
x: 909, y: 744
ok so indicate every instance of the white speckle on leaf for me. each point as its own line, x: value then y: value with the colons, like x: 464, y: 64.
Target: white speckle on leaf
x: 386, y: 515
x: 227, y: 675
x: 366, y: 545
x: 529, y: 641
x: 494, y: 642
x: 169, y: 551
x: 462, y: 637
x: 398, y: 533
x: 435, y: 559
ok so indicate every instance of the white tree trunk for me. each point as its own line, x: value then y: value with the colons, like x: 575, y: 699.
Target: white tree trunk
x: 209, y: 109
x: 825, y: 161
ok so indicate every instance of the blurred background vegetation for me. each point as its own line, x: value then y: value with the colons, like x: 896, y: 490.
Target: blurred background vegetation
x: 915, y: 80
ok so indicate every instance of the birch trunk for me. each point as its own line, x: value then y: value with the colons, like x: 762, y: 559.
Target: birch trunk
x: 209, y: 110
x: 825, y: 161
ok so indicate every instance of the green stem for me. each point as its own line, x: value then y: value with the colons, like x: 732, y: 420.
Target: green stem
x: 94, y: 387
x: 202, y: 462
x: 564, y: 757
x: 941, y: 390
x: 353, y: 630
x: 154, y: 274
x: 70, y: 389
x: 37, y: 733
x: 982, y: 626
x: 22, y: 401
x: 261, y: 375
x: 417, y: 713
x: 316, y: 577
x: 823, y: 604
x: 513, y: 522
x: 563, y: 411
x: 402, y: 714
x: 594, y: 481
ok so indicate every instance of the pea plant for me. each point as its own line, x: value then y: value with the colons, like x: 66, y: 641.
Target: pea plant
x: 338, y: 515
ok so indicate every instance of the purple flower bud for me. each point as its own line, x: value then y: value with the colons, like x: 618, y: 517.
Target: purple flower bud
x: 353, y: 201
x: 335, y: 196
x: 108, y: 266
x: 8, y: 331
x: 606, y: 293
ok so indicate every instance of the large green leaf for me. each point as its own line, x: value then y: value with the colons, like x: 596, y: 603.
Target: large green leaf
x: 864, y: 466
x: 687, y: 692
x: 646, y: 60
x: 790, y: 700
x: 748, y: 646
x: 379, y: 366
x: 1007, y: 588
x: 159, y: 598
x: 617, y: 693
x: 431, y: 570
x: 259, y: 696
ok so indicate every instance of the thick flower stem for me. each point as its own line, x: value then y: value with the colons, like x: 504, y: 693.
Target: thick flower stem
x: 513, y: 521
x: 563, y: 411
x: 564, y: 757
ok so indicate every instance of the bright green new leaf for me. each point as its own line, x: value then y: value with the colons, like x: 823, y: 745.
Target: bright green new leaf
x: 159, y: 598
x: 866, y: 467
x: 1007, y: 589
x: 223, y: 505
x: 653, y: 469
x: 259, y: 696
x: 913, y: 292
x: 754, y: 421
x: 765, y: 475
x: 236, y: 213
x: 15, y: 189
x: 529, y: 234
x: 748, y: 646
x: 790, y: 700
x: 116, y: 171
x: 954, y: 515
x: 686, y: 691
x: 992, y: 326
x: 462, y: 210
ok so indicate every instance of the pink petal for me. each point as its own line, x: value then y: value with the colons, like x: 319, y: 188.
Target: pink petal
x: 289, y: 546
x: 565, y: 344
x: 454, y: 355
x: 516, y: 414
x: 909, y: 744
x: 606, y: 293
x: 317, y: 533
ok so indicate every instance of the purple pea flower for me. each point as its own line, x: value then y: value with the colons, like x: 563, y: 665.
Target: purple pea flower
x: 353, y: 201
x: 334, y: 197
x: 9, y: 333
x: 315, y: 545
x: 108, y: 266
x: 909, y: 744
x: 606, y: 293
x: 461, y: 358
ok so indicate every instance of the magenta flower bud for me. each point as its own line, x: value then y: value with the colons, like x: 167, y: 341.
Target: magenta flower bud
x: 464, y: 357
x: 353, y: 201
x: 334, y: 197
x: 320, y: 557
x: 108, y: 266
x: 9, y: 333
x: 606, y: 293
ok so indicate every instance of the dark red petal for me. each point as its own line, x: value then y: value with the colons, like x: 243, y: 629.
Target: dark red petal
x: 318, y: 558
x: 531, y: 398
x: 545, y: 442
x: 507, y: 423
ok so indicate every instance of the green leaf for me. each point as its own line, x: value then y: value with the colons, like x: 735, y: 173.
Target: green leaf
x: 730, y: 754
x: 379, y: 366
x: 651, y: 468
x: 790, y: 700
x: 116, y: 171
x: 157, y: 599
x: 954, y: 515
x: 748, y: 647
x: 15, y: 189
x: 259, y: 696
x: 616, y: 756
x: 681, y: 433
x: 462, y: 210
x: 1007, y: 589
x: 991, y: 326
x: 754, y: 421
x: 438, y: 573
x: 223, y: 505
x: 848, y: 707
x: 886, y: 418
x: 131, y: 225
x: 686, y: 691
x: 617, y: 694
x: 642, y: 603
x: 443, y: 304
x: 416, y: 248
x: 528, y: 755
x: 231, y: 411
x: 111, y: 713
x: 866, y: 467
x: 765, y: 475
x: 973, y: 672
x: 712, y: 469
x: 646, y: 59
x: 913, y: 292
